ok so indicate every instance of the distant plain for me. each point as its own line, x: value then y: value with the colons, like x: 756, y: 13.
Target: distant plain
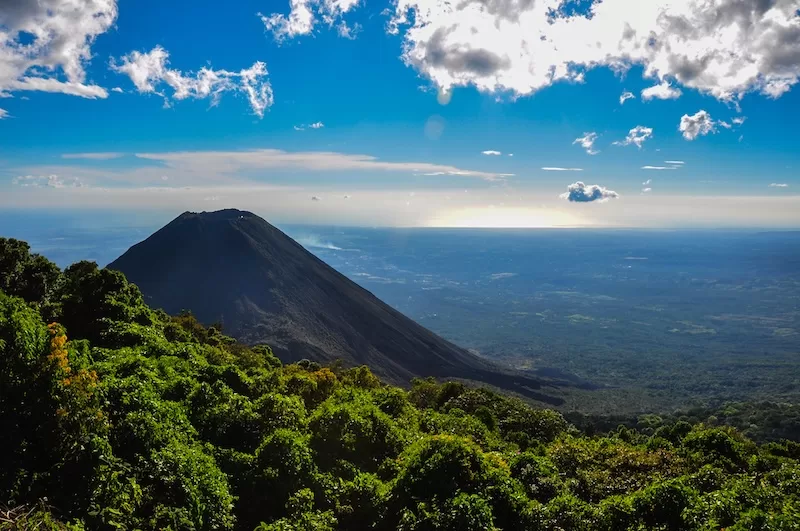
x: 651, y: 320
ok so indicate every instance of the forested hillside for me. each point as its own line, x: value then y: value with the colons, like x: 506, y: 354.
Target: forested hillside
x: 115, y: 416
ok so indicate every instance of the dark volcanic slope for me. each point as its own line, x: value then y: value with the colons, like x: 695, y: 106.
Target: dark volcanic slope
x: 235, y: 268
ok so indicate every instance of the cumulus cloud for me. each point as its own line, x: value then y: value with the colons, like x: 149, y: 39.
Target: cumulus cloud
x: 45, y: 45
x: 491, y: 152
x: 305, y: 14
x: 151, y: 74
x: 587, y: 142
x: 92, y: 156
x: 582, y: 193
x: 779, y: 185
x: 739, y: 120
x: 552, y: 168
x: 636, y: 136
x: 625, y: 96
x: 699, y: 124
x: 662, y: 91
x: 317, y: 125
x: 725, y: 48
x: 47, y: 181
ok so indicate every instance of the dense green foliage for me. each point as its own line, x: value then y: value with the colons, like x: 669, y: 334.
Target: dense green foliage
x: 144, y: 421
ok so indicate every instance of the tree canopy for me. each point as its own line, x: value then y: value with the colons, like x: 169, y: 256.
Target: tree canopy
x: 116, y: 416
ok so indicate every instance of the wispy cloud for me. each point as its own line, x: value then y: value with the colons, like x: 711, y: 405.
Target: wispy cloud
x: 3, y: 114
x: 227, y: 162
x: 779, y: 185
x: 625, y: 96
x: 491, y: 152
x: 552, y: 168
x: 46, y: 181
x: 303, y: 127
x: 587, y: 142
x: 636, y: 136
x: 93, y: 156
x: 304, y: 15
x: 659, y: 167
x: 674, y: 162
x: 151, y: 74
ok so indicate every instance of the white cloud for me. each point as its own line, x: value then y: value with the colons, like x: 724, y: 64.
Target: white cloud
x: 674, y: 162
x: 305, y: 14
x: 150, y: 71
x: 117, y: 89
x: 45, y: 45
x: 659, y: 167
x: 510, y: 154
x: 636, y: 136
x: 739, y: 120
x: 779, y: 185
x: 725, y: 48
x: 3, y: 114
x: 92, y: 156
x: 582, y: 193
x: 647, y: 182
x: 222, y: 163
x: 315, y: 125
x: 662, y: 91
x: 46, y: 181
x: 646, y: 190
x: 348, y: 32
x: 491, y: 152
x: 625, y: 96
x: 551, y: 168
x: 587, y: 142
x: 699, y: 124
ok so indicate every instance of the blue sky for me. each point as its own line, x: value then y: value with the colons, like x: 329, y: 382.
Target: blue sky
x: 406, y: 97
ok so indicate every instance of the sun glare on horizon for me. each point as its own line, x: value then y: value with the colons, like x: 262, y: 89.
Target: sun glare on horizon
x: 505, y: 218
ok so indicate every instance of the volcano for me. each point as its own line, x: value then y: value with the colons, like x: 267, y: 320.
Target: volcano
x: 232, y: 267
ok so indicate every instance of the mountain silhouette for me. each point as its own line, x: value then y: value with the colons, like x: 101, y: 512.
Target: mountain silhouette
x: 234, y: 268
